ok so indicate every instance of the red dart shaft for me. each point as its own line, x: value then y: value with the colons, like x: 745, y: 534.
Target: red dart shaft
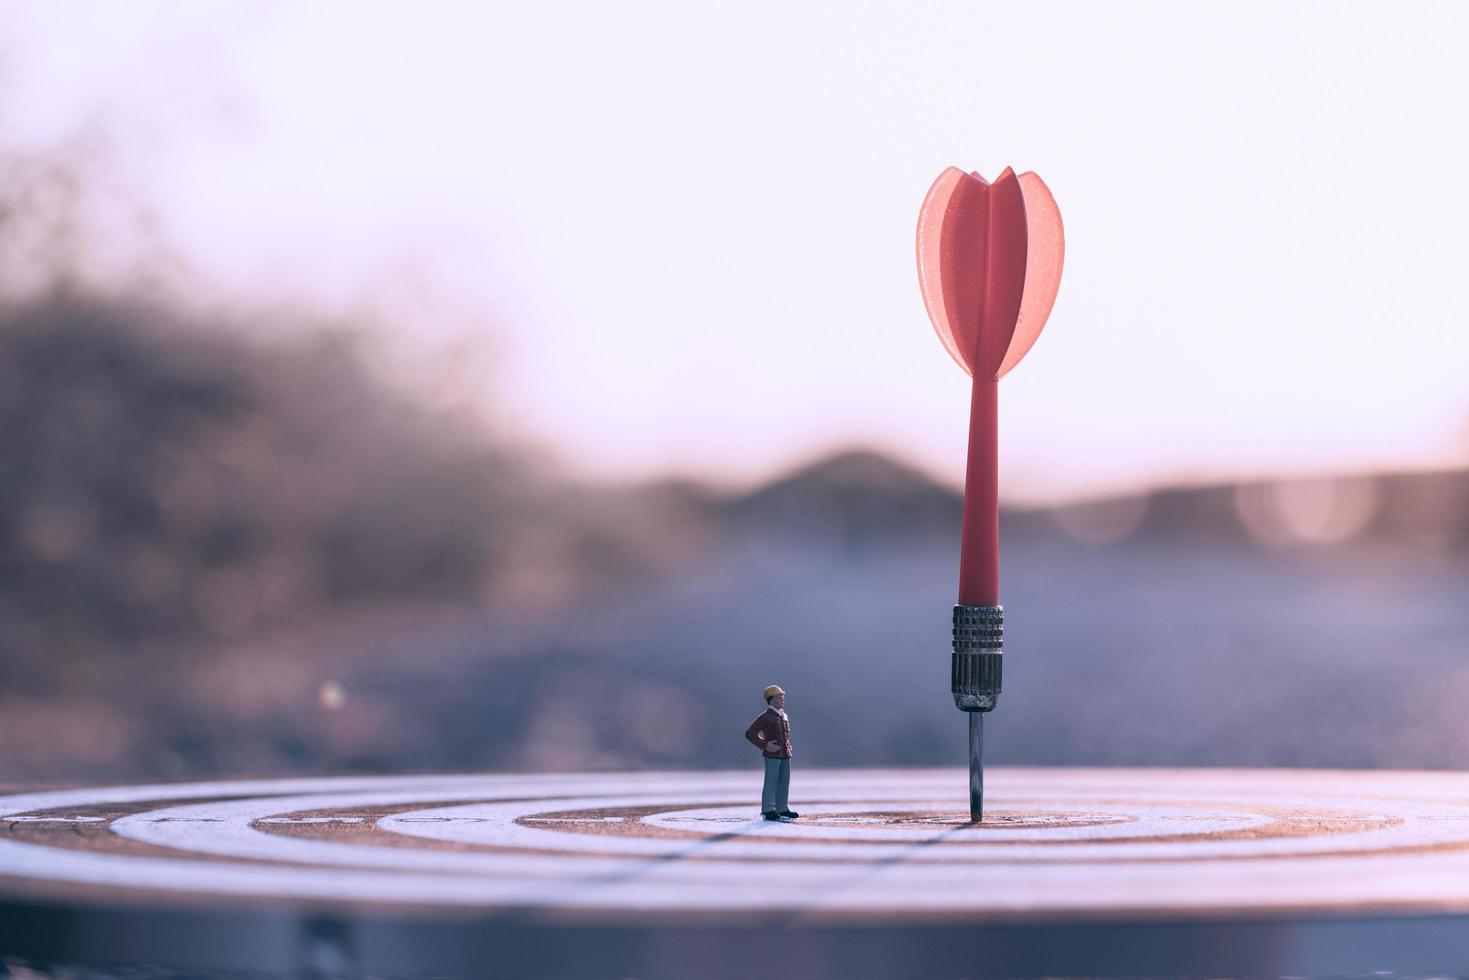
x: 979, y: 549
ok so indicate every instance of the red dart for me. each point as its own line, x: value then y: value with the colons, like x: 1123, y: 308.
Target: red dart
x: 989, y: 265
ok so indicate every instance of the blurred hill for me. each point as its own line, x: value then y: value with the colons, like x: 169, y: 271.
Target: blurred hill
x: 219, y: 556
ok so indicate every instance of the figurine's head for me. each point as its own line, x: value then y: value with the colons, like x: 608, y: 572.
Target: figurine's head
x: 775, y: 697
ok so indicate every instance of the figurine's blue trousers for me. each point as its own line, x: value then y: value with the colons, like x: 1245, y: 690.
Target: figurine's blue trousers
x: 777, y: 786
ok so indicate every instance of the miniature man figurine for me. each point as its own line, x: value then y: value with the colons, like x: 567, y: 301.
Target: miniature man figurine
x: 771, y: 734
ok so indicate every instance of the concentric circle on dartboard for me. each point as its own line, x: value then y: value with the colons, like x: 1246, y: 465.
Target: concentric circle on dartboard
x: 883, y: 816
x: 926, y: 821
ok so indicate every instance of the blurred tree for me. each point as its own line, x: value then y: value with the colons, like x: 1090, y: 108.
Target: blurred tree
x: 159, y: 478
x: 95, y: 413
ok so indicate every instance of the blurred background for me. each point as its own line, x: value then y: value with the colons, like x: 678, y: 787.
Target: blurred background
x: 399, y: 388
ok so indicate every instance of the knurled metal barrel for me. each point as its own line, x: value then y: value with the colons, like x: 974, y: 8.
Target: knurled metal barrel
x: 979, y: 640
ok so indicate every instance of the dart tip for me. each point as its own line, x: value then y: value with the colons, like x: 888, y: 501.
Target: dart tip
x: 976, y: 766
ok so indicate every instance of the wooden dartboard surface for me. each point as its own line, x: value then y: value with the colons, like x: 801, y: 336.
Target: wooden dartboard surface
x: 1074, y: 870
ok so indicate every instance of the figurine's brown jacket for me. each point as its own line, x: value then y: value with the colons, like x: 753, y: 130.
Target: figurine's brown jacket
x: 771, y: 734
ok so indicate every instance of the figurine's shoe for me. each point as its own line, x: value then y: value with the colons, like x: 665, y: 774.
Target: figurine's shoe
x: 770, y: 815
x: 789, y: 814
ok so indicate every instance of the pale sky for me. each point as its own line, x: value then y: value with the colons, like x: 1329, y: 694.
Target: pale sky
x: 686, y: 230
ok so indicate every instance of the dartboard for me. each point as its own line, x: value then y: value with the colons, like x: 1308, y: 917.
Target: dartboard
x: 641, y: 852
